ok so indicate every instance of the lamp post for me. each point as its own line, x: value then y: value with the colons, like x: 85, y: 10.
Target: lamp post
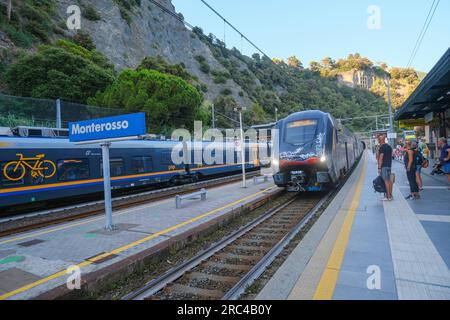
x: 391, y: 120
x: 244, y: 180
x: 276, y: 114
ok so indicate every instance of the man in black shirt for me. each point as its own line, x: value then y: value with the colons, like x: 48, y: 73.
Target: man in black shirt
x: 385, y: 165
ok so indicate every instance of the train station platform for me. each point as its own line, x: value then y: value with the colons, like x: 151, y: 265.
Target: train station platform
x: 35, y: 263
x: 364, y: 249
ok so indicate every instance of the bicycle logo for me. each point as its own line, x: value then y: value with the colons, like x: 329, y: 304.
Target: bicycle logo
x: 16, y: 170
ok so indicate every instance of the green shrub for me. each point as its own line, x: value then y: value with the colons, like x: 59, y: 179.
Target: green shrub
x: 168, y: 100
x: 226, y: 92
x: 55, y: 72
x: 22, y: 39
x: 91, y: 13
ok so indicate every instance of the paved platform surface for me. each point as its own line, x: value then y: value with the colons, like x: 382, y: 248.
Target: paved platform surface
x: 36, y: 262
x: 362, y: 248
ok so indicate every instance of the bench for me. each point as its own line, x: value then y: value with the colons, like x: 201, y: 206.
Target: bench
x: 261, y: 179
x: 191, y: 196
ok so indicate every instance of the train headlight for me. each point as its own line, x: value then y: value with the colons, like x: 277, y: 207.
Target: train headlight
x: 323, y: 158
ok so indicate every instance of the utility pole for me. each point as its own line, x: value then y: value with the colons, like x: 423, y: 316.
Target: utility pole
x: 213, y: 116
x: 276, y: 114
x: 244, y: 180
x: 58, y: 114
x: 391, y: 118
x: 107, y: 185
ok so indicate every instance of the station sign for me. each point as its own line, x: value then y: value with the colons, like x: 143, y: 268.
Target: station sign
x: 392, y: 135
x: 128, y: 125
x: 410, y: 124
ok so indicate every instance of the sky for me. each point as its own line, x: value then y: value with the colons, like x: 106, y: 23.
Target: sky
x: 314, y: 29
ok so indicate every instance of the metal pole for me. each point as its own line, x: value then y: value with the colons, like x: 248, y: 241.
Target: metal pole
x: 244, y: 180
x: 213, y: 117
x: 391, y: 120
x: 58, y: 114
x: 107, y: 186
x: 276, y: 114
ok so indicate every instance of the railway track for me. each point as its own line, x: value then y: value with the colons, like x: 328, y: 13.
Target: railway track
x: 228, y: 267
x: 26, y: 222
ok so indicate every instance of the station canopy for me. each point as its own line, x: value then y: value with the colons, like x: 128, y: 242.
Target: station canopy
x: 432, y: 95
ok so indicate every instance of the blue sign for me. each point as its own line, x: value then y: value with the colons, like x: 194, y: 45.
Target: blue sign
x: 128, y: 125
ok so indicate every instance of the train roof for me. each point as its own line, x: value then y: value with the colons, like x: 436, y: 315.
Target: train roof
x: 315, y: 114
x: 53, y: 143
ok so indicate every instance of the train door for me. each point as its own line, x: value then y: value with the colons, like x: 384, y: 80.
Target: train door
x: 346, y: 156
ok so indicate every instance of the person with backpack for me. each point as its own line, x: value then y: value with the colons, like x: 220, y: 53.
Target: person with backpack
x: 410, y: 166
x: 385, y: 166
x: 419, y: 161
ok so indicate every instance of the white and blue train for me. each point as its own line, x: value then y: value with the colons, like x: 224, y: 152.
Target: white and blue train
x: 314, y: 151
x: 40, y: 170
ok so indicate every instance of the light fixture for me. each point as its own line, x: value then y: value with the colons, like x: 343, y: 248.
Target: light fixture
x: 440, y: 99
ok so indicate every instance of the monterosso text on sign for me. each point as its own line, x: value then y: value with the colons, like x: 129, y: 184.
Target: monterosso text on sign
x: 128, y: 125
x: 80, y: 129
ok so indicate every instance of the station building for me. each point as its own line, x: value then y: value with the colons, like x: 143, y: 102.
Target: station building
x: 429, y: 105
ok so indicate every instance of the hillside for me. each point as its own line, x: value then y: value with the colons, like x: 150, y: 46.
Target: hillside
x: 120, y: 34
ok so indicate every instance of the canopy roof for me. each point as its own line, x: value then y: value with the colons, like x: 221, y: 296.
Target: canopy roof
x: 432, y: 95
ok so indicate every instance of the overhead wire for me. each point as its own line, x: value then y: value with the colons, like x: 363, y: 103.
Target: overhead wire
x: 423, y: 31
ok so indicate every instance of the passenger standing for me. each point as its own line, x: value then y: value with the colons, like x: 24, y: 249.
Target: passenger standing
x: 418, y: 160
x: 410, y: 166
x: 445, y: 157
x: 385, y: 166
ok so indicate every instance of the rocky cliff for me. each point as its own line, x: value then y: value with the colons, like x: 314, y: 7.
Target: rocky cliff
x: 149, y: 32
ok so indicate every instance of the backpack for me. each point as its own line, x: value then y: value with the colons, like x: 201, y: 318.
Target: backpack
x: 379, y: 185
x: 419, y: 159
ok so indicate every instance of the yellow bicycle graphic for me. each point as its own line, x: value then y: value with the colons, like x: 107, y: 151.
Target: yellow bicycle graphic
x: 41, y: 168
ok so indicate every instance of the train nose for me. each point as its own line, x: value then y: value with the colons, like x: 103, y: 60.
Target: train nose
x: 297, y: 163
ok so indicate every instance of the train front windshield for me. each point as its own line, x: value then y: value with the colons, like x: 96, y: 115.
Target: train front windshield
x: 300, y: 132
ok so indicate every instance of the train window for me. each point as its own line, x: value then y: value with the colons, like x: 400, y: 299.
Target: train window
x: 302, y: 131
x: 116, y: 167
x: 9, y: 178
x: 141, y: 165
x: 167, y: 158
x: 73, y: 169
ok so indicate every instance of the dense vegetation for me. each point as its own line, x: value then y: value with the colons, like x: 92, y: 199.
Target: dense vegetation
x: 403, y: 83
x: 288, y: 87
x: 72, y: 69
x: 169, y: 101
x: 65, y: 71
x: 30, y: 22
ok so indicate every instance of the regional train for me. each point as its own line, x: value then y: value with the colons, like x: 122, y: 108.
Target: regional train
x: 35, y: 171
x: 314, y: 152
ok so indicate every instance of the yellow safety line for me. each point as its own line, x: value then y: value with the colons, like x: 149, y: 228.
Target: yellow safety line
x: 327, y: 284
x: 36, y: 234
x: 128, y: 246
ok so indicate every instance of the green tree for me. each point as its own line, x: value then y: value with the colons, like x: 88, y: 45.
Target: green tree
x: 294, y: 62
x: 53, y: 72
x: 169, y: 101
